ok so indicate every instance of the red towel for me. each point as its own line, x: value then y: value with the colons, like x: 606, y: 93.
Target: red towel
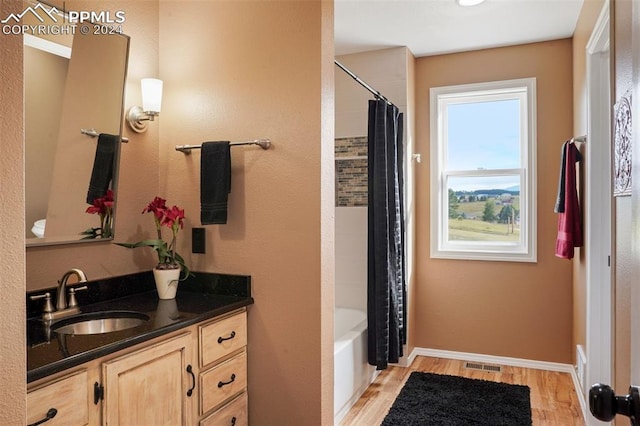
x: 569, y: 221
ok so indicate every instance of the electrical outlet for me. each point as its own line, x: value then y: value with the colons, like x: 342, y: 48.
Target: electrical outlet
x: 198, y: 240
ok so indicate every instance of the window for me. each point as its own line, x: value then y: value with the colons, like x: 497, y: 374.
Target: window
x: 483, y: 171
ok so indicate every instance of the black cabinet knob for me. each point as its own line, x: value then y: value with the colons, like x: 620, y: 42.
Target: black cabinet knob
x: 604, y: 404
x: 50, y: 414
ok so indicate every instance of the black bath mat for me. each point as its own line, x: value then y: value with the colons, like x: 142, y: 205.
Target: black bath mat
x: 438, y: 400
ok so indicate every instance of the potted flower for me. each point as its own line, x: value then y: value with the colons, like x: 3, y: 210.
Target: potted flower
x: 102, y: 206
x: 170, y: 263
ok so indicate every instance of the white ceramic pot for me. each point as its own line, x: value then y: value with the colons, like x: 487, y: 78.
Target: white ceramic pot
x: 166, y: 282
x: 166, y: 312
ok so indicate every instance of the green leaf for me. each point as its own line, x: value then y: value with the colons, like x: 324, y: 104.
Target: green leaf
x: 90, y: 233
x: 183, y: 266
x: 164, y: 254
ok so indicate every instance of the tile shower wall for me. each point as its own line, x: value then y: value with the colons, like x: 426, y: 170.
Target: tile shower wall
x: 351, y: 172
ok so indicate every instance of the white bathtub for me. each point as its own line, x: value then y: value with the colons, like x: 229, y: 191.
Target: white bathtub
x: 352, y: 373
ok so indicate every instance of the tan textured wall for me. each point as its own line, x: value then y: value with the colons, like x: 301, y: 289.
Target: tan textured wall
x: 510, y: 309
x: 385, y: 70
x: 588, y: 16
x: 261, y: 70
x: 12, y: 306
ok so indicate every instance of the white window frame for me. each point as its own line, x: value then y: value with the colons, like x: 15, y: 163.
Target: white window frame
x: 440, y: 97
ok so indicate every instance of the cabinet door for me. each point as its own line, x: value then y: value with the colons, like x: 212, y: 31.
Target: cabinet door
x: 150, y: 386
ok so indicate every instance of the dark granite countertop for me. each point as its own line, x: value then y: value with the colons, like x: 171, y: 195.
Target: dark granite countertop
x: 203, y: 297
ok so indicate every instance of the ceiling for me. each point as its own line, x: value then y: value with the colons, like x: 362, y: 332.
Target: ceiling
x: 432, y: 27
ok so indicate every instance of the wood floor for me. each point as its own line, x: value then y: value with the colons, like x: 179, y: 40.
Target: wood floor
x: 553, y: 398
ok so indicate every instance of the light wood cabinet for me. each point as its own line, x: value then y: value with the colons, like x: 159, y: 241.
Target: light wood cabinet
x: 193, y: 376
x: 222, y: 337
x: 223, y: 382
x: 235, y: 413
x: 149, y: 386
x: 65, y: 401
x: 223, y: 374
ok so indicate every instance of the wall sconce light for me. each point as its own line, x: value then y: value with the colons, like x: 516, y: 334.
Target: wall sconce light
x: 138, y: 117
x: 466, y: 3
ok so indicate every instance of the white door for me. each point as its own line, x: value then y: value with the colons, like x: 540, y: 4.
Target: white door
x: 598, y: 211
x: 605, y: 402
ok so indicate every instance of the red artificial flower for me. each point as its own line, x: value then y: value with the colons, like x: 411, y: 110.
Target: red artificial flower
x: 173, y: 217
x: 94, y: 209
x: 102, y: 205
x: 108, y: 198
x: 157, y: 207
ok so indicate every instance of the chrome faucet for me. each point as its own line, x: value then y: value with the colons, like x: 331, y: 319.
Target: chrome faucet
x: 61, y: 298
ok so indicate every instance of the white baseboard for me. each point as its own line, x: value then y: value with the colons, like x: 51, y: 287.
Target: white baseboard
x: 501, y: 360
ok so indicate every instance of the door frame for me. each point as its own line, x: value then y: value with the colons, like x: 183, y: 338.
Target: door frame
x: 599, y: 211
x: 634, y: 314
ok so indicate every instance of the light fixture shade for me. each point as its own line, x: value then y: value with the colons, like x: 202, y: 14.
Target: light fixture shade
x: 151, y: 95
x: 469, y: 2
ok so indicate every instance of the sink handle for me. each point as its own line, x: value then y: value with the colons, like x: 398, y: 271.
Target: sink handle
x: 73, y: 302
x: 48, y: 306
x: 193, y: 377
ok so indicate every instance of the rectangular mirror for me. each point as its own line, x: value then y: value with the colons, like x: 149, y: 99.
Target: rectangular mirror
x: 73, y: 82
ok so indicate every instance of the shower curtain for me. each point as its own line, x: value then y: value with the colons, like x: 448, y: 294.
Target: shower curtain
x: 386, y: 291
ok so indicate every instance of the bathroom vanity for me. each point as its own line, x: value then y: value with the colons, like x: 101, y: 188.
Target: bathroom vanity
x: 186, y: 365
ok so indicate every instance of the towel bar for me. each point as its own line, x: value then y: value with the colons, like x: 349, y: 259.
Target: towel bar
x: 94, y: 134
x: 262, y: 143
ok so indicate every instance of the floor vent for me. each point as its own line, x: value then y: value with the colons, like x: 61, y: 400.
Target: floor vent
x: 483, y: 367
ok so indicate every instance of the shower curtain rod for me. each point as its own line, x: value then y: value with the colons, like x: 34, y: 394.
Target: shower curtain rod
x: 377, y: 94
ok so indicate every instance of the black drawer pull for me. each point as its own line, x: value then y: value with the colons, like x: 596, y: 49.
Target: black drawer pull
x: 231, y: 336
x: 50, y: 414
x: 233, y: 378
x: 233, y: 421
x: 193, y: 376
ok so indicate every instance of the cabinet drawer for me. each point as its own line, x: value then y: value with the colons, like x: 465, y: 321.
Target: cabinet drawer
x: 223, y: 382
x: 68, y: 395
x: 223, y: 337
x: 235, y: 413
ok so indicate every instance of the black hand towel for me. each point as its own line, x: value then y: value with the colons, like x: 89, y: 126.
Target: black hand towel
x: 559, y: 207
x: 102, y: 166
x: 215, y: 182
